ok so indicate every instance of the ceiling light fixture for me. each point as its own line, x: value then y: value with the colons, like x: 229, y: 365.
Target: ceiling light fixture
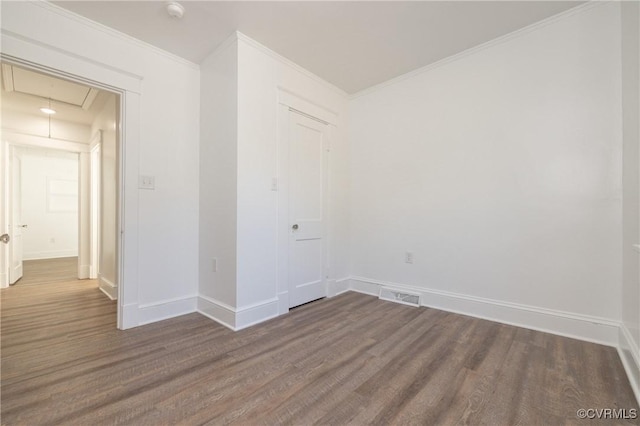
x: 175, y: 9
x: 47, y: 110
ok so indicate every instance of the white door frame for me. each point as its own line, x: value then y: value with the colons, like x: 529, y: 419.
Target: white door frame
x: 57, y: 63
x: 288, y: 100
x: 4, y: 212
x: 94, y: 209
x: 13, y: 160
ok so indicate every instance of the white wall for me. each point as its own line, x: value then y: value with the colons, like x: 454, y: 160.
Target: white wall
x: 51, y: 216
x: 218, y: 179
x: 105, y: 122
x: 262, y: 222
x: 249, y: 156
x: 500, y: 170
x: 162, y: 137
x: 630, y: 336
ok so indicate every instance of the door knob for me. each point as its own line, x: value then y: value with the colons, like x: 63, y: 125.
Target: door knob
x: 5, y: 238
x: 294, y: 227
x: 22, y: 226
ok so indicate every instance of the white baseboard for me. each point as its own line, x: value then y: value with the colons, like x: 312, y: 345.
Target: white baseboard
x: 584, y: 327
x: 283, y: 302
x: 238, y: 318
x: 129, y: 316
x: 165, y: 309
x: 630, y: 355
x: 249, y: 315
x: 52, y: 254
x: 4, y: 280
x: 218, y: 311
x: 83, y: 272
x: 336, y: 287
x: 108, y: 288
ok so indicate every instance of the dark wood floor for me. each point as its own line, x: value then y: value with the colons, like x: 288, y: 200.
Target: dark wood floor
x: 350, y: 359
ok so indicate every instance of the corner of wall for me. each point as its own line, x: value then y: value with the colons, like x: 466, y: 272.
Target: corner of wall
x: 630, y: 356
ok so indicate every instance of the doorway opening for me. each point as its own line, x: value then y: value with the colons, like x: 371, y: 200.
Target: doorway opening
x: 60, y: 180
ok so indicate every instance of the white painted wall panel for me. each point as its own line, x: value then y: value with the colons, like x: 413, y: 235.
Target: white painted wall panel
x: 630, y: 13
x: 105, y: 121
x: 500, y: 171
x: 218, y: 175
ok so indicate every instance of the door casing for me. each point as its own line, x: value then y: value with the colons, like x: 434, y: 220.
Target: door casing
x: 56, y: 63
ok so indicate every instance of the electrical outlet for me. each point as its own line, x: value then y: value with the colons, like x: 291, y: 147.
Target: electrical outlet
x: 408, y: 257
x: 274, y: 184
x: 214, y: 265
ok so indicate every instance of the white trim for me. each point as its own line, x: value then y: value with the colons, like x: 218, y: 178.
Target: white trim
x: 7, y: 77
x: 630, y: 356
x: 287, y: 62
x: 228, y: 42
x: 113, y: 32
x: 84, y: 272
x: 238, y: 318
x: 306, y: 106
x: 4, y: 280
x: 578, y: 326
x: 283, y: 302
x: 256, y: 313
x: 218, y: 311
x: 165, y: 309
x: 255, y: 305
x: 337, y: 287
x: 88, y: 100
x: 473, y: 50
x: 28, y: 53
x: 108, y: 288
x: 51, y: 254
x: 129, y: 316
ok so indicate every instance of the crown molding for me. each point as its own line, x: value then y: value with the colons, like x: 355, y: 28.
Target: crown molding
x: 291, y: 64
x: 112, y: 32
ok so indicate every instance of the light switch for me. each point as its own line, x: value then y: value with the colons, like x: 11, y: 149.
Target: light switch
x: 147, y: 182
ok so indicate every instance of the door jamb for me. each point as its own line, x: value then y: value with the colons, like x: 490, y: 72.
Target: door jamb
x: 120, y: 160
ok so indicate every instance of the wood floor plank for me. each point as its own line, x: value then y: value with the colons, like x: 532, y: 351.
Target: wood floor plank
x: 352, y: 359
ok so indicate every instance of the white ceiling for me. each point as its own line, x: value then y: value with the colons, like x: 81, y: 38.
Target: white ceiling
x: 26, y: 91
x: 353, y: 45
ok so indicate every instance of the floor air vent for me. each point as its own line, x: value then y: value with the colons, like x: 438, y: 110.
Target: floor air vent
x: 400, y: 296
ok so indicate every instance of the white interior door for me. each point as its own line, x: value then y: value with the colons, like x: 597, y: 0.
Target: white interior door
x: 15, y: 218
x: 308, y: 144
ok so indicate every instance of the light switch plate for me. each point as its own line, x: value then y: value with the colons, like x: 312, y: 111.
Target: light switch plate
x: 147, y: 182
